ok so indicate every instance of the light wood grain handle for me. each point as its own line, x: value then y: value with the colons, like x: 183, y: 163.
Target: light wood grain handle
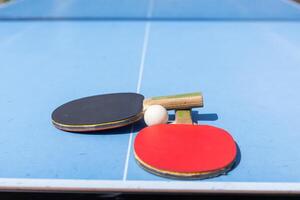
x: 182, y: 101
x: 183, y: 117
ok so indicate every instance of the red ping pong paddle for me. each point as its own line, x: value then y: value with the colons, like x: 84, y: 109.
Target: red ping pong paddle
x: 183, y: 150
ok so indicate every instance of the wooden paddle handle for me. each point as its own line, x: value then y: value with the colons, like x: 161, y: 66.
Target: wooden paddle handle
x: 181, y: 101
x: 183, y: 117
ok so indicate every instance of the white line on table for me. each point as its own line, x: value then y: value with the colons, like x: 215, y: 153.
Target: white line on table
x: 138, y: 89
x: 128, y: 155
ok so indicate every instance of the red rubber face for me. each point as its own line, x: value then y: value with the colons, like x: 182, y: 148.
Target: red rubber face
x: 185, y: 148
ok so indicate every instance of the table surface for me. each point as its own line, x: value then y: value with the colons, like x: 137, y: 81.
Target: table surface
x: 244, y: 57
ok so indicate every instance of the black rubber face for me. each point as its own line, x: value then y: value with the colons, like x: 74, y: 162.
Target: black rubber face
x: 99, y: 109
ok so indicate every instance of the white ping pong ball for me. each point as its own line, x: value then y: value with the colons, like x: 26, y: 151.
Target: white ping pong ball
x: 156, y: 114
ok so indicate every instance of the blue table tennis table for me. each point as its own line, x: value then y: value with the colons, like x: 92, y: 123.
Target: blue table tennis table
x: 243, y: 55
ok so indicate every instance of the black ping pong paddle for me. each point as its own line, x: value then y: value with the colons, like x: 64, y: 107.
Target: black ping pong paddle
x: 109, y: 111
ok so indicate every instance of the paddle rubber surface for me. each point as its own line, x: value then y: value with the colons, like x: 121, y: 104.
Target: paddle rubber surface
x: 99, y: 109
x: 185, y: 150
